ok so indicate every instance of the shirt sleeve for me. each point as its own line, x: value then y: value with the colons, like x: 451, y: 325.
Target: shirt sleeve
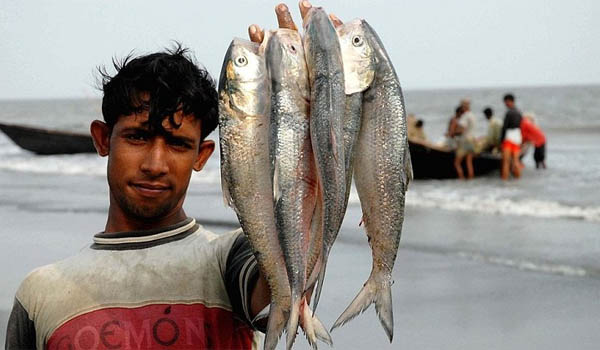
x: 20, y: 333
x: 241, y: 274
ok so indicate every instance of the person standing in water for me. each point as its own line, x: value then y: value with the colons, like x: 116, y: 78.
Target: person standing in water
x: 466, y: 142
x: 532, y: 133
x: 511, y: 139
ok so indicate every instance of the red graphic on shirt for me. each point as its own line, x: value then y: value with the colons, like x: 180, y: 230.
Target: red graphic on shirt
x: 159, y: 326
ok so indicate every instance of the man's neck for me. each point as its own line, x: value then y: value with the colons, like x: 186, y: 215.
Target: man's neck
x: 119, y: 222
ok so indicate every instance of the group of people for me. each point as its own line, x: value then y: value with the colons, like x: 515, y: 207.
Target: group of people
x: 505, y: 137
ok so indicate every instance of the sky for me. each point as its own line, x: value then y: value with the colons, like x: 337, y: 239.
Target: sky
x: 51, y: 49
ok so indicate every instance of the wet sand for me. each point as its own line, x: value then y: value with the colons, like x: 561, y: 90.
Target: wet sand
x: 462, y: 280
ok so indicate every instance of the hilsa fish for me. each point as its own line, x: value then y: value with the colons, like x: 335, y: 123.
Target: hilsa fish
x: 328, y: 100
x: 294, y: 172
x: 382, y: 172
x: 244, y: 112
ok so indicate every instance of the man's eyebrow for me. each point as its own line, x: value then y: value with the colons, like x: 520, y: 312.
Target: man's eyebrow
x: 135, y: 128
x: 180, y: 138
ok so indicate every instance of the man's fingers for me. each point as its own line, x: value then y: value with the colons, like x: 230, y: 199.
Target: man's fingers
x: 335, y: 20
x: 284, y: 18
x: 304, y: 7
x: 256, y: 34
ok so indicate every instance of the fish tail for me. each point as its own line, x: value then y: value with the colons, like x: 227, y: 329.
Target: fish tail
x: 320, y: 331
x: 320, y: 279
x: 292, y: 326
x: 307, y: 325
x: 275, y: 325
x: 371, y: 292
x: 384, y: 309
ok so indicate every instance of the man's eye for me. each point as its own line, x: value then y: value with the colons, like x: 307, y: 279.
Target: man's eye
x: 137, y: 137
x: 179, y: 143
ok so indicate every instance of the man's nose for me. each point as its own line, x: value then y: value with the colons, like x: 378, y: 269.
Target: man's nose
x: 155, y: 160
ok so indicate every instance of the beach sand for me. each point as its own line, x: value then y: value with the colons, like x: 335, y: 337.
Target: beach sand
x: 462, y: 280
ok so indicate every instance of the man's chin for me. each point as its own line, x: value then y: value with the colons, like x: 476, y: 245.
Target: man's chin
x: 150, y: 213
x: 147, y: 212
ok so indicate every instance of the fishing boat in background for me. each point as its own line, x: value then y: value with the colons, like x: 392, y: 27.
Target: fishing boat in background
x: 47, y: 142
x: 431, y: 161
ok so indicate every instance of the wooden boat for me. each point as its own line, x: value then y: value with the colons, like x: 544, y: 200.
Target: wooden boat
x: 43, y: 141
x: 435, y: 162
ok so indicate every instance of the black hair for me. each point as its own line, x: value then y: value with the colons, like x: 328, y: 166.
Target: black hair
x: 419, y: 123
x: 488, y: 112
x: 458, y: 110
x: 509, y: 97
x: 171, y: 81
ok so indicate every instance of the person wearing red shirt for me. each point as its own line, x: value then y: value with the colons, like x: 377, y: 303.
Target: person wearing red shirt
x: 532, y: 133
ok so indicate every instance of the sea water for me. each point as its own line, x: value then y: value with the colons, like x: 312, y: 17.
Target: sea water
x: 569, y: 115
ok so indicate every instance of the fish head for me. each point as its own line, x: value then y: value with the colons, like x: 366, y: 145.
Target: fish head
x: 357, y: 55
x: 376, y: 44
x: 243, y: 84
x: 286, y: 61
x: 319, y: 34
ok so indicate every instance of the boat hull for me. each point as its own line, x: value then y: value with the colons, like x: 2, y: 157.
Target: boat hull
x: 47, y: 142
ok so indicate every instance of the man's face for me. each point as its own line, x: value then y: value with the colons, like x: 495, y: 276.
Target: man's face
x: 508, y: 103
x: 149, y: 172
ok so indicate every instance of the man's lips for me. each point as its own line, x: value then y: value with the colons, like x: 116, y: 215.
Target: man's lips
x: 150, y: 189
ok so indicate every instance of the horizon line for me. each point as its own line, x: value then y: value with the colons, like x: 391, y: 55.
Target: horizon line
x: 424, y: 88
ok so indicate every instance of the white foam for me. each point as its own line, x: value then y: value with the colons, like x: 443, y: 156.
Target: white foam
x: 495, y: 203
x: 526, y: 265
x: 67, y: 164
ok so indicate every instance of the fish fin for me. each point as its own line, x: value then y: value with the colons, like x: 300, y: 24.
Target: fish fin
x: 292, y: 327
x: 321, y: 332
x: 320, y: 279
x: 385, y: 311
x: 307, y: 324
x: 313, y: 328
x: 371, y: 293
x: 408, y: 166
x: 275, y: 325
x: 225, y: 190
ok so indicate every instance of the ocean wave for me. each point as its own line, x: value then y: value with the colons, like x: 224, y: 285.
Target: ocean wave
x: 526, y: 265
x: 501, y: 201
x: 495, y: 204
x: 65, y: 164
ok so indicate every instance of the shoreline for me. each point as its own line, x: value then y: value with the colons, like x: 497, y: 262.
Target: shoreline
x: 463, y: 280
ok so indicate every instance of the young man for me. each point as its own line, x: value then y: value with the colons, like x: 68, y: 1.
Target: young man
x: 154, y: 278
x: 511, y: 139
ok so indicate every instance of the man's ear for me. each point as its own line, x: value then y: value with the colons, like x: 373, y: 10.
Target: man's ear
x: 206, y: 149
x: 101, y: 137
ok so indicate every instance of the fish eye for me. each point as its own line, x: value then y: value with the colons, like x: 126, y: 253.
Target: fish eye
x: 357, y: 40
x: 292, y: 48
x: 241, y: 61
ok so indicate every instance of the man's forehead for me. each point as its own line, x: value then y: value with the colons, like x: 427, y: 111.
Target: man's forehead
x: 179, y: 122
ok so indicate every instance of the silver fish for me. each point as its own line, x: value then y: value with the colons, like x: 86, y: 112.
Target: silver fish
x: 359, y: 71
x: 294, y: 173
x: 326, y: 75
x: 382, y: 173
x: 244, y: 110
